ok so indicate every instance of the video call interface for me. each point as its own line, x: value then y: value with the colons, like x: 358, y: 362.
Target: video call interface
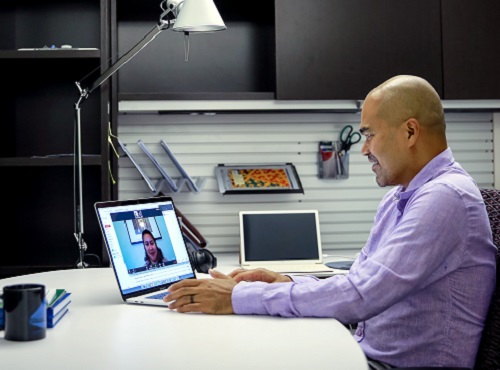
x: 124, y: 237
x: 143, y: 220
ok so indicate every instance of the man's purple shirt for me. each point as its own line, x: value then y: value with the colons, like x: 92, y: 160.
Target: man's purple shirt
x: 421, y: 286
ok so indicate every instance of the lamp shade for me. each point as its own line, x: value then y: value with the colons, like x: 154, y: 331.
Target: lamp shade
x: 198, y: 16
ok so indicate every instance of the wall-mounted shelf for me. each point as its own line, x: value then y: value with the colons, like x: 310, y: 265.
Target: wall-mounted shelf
x: 57, y: 53
x: 91, y: 160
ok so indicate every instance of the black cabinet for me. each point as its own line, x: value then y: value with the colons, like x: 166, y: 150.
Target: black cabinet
x: 342, y: 49
x: 471, y: 49
x: 312, y: 50
x: 237, y: 63
x: 36, y: 155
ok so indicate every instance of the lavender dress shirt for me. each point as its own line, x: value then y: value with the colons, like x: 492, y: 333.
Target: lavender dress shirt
x: 421, y: 286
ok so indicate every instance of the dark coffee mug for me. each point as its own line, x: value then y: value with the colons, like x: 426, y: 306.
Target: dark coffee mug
x: 25, y: 312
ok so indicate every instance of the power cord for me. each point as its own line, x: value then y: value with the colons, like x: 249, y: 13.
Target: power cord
x: 340, y: 265
x: 339, y: 256
x: 94, y: 256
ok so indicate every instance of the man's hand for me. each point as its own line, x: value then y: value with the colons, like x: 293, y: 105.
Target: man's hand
x: 259, y: 274
x: 202, y: 295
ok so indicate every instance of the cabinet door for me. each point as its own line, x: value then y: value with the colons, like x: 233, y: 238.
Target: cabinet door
x: 340, y: 49
x: 235, y: 63
x: 471, y: 49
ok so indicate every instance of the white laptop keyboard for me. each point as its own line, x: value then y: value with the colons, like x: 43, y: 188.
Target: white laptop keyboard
x: 294, y: 268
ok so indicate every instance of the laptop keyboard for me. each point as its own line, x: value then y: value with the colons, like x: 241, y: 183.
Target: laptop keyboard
x: 296, y: 268
x: 158, y: 295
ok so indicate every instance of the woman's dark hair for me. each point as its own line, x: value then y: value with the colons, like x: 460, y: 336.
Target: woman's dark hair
x: 146, y: 231
x: 160, y: 252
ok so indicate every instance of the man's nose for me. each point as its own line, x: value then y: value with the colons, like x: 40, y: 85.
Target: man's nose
x: 364, y: 149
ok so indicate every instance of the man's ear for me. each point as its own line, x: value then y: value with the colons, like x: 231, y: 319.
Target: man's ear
x: 413, y: 130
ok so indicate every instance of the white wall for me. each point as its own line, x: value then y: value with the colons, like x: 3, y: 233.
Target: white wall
x: 201, y: 142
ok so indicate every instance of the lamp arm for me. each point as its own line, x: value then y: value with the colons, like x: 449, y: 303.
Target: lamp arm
x: 84, y: 94
x: 127, y: 56
x: 170, y: 12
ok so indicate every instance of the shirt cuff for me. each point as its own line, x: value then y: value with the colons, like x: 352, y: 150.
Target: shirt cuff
x: 249, y: 298
x: 246, y: 298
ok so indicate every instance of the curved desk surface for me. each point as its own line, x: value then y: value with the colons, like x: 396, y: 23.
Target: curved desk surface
x: 100, y: 331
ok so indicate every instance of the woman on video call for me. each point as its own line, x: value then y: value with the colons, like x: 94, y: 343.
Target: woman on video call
x: 153, y: 255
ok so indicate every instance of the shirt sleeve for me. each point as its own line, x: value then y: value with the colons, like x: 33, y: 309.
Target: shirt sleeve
x: 416, y: 246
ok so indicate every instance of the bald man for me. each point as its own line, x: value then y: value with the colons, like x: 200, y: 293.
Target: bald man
x: 421, y: 287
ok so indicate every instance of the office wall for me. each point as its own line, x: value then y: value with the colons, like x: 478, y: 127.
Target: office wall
x: 202, y: 141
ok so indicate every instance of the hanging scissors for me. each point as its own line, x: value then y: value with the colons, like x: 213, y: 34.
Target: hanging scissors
x: 348, y: 138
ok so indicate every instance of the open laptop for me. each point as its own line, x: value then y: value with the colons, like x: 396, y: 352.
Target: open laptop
x: 122, y: 223
x: 286, y: 241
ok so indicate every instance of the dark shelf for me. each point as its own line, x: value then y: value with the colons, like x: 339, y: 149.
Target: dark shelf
x: 200, y: 96
x: 89, y: 160
x: 49, y: 54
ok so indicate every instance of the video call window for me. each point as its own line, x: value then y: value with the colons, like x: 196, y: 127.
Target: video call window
x: 129, y: 226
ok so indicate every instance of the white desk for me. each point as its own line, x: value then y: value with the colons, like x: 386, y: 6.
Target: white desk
x: 102, y: 332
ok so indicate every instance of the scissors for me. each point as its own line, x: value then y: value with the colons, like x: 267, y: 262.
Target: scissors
x: 348, y: 138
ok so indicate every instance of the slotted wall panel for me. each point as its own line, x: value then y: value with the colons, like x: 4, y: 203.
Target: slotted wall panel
x: 202, y: 141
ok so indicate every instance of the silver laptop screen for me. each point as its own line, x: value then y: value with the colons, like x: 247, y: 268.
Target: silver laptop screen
x: 280, y: 235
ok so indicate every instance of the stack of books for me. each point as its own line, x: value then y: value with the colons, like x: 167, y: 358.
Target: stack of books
x: 58, y: 301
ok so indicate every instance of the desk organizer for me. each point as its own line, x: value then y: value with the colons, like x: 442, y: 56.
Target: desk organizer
x: 166, y: 184
x: 333, y: 163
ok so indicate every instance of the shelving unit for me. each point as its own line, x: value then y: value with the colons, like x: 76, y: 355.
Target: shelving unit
x: 36, y: 156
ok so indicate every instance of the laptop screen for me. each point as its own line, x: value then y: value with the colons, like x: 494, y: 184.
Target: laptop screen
x: 280, y: 236
x: 122, y: 224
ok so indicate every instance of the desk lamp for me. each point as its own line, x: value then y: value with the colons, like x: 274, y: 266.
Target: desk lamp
x: 185, y: 16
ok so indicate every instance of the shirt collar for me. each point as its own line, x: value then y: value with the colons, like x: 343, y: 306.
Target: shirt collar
x: 426, y: 174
